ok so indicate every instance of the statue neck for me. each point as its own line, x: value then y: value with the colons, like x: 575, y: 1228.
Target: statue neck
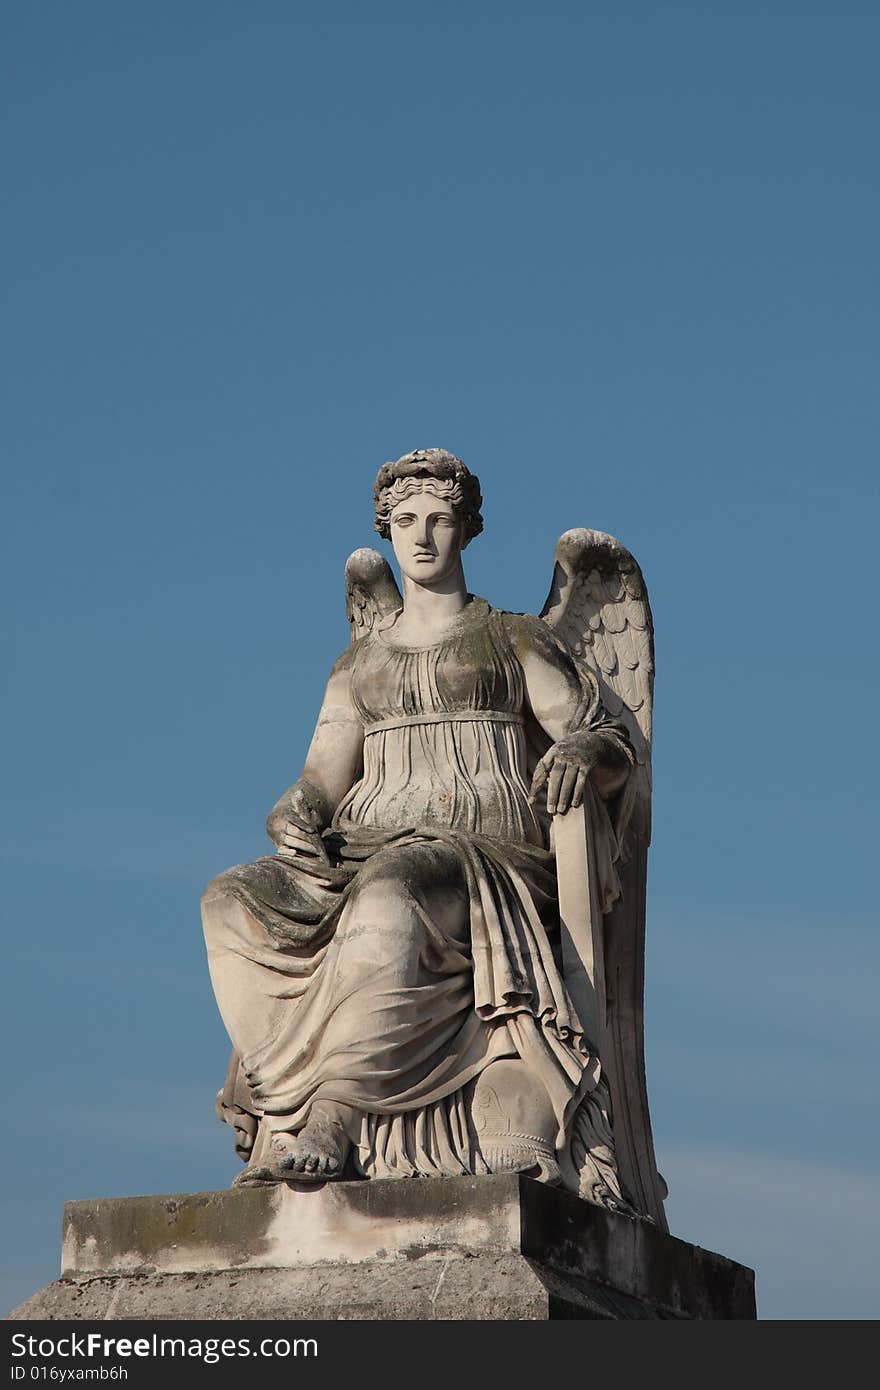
x: 433, y: 606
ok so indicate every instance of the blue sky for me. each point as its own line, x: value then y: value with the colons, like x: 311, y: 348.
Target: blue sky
x: 623, y: 260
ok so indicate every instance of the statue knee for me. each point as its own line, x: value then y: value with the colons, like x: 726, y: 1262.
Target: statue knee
x: 380, y: 910
x: 216, y: 895
x: 386, y: 875
x: 215, y: 889
x: 379, y: 894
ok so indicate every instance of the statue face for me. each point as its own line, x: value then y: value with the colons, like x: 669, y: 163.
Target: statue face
x: 426, y: 534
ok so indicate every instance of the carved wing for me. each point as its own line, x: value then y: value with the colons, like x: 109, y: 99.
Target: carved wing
x: 598, y: 606
x: 371, y: 591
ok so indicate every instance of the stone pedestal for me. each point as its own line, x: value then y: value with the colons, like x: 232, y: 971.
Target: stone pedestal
x: 501, y: 1247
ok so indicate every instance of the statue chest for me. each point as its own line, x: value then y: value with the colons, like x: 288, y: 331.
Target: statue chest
x: 474, y: 670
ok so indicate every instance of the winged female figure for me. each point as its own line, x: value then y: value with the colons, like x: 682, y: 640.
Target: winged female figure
x: 438, y: 972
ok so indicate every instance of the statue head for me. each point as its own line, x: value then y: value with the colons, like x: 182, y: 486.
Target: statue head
x: 435, y: 471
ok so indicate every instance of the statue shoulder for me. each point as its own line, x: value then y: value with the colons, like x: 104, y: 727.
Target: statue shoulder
x: 531, y: 636
x: 345, y: 664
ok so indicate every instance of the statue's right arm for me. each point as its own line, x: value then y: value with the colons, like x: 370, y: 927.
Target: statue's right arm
x: 333, y: 764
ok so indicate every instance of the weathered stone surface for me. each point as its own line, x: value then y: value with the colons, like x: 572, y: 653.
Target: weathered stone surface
x: 412, y: 984
x: 488, y: 1287
x: 502, y: 1247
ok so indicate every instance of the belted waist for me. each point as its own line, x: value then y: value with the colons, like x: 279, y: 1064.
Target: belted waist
x: 456, y: 716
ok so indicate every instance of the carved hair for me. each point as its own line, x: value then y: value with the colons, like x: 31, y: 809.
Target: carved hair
x: 428, y: 470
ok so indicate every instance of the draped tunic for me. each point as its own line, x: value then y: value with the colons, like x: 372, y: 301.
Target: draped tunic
x: 444, y: 733
x: 441, y: 820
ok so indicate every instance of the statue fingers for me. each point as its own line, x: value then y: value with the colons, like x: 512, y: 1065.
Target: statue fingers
x: 577, y: 795
x: 303, y: 841
x: 564, y: 796
x: 318, y: 848
x: 554, y: 783
x: 292, y: 837
x: 540, y: 775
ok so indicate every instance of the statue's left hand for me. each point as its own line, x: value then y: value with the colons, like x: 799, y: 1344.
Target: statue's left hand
x: 565, y: 768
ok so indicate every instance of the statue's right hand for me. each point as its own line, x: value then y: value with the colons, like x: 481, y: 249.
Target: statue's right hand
x: 295, y: 822
x: 303, y: 841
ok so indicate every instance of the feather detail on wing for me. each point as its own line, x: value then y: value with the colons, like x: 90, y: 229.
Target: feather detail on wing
x: 598, y: 606
x: 371, y: 591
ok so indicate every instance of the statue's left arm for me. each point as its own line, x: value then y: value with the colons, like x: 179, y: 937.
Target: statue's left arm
x: 587, y: 743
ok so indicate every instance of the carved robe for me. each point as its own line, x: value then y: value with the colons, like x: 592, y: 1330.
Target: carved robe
x: 427, y: 947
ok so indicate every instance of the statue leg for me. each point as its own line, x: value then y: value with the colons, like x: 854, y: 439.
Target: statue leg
x: 407, y: 907
x: 325, y: 1043
x: 254, y: 994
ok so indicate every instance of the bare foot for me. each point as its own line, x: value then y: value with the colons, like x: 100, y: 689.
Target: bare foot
x: 317, y: 1153
x: 256, y: 1176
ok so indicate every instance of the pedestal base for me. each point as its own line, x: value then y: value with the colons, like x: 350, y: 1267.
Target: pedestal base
x: 461, y: 1249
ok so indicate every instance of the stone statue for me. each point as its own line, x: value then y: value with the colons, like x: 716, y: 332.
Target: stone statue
x: 440, y: 970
